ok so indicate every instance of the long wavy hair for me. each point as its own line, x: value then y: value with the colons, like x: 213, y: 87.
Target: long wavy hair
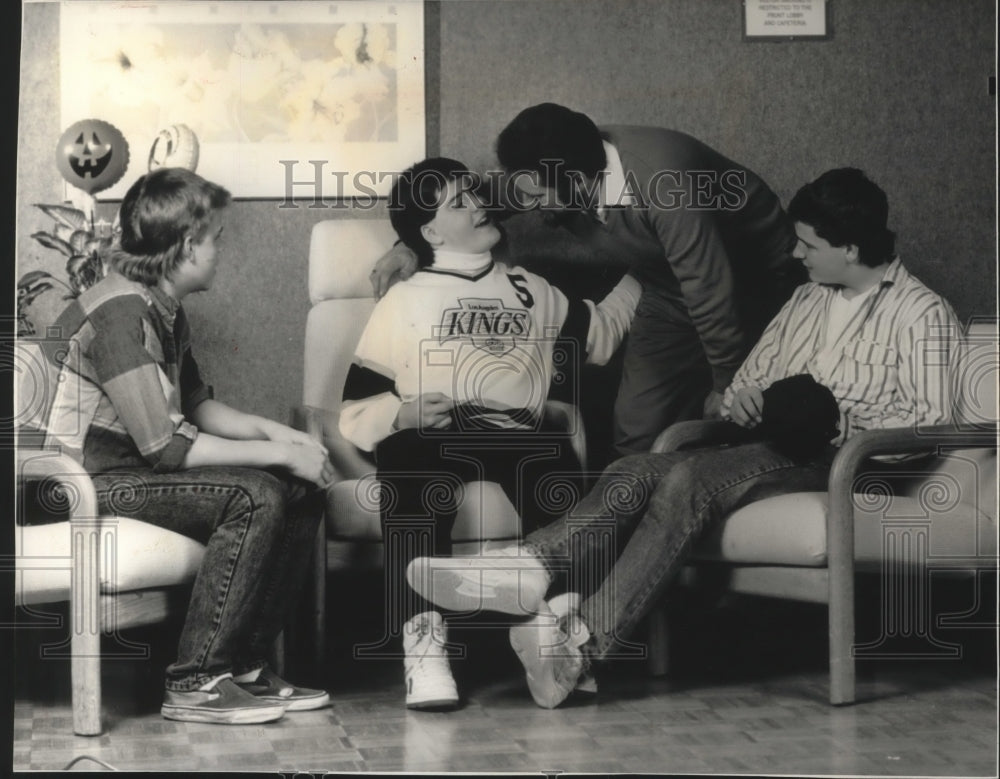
x: 159, y: 211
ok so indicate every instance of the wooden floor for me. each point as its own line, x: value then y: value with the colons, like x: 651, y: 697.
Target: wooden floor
x: 747, y: 695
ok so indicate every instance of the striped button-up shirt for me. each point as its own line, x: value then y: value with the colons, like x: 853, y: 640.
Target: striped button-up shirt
x: 126, y: 378
x: 891, y: 366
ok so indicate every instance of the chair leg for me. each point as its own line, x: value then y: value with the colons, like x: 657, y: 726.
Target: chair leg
x: 658, y: 640
x: 841, y: 627
x: 85, y: 627
x: 86, y: 672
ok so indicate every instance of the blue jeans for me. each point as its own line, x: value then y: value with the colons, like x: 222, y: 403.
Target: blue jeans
x: 659, y: 505
x: 259, y: 531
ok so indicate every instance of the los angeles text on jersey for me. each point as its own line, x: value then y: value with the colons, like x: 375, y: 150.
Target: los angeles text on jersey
x: 486, y: 323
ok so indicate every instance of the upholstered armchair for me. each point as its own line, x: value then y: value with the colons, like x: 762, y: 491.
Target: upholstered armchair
x: 114, y: 571
x: 935, y: 514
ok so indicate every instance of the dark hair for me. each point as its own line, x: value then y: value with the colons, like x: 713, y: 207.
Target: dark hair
x: 800, y: 416
x: 416, y: 196
x: 158, y: 212
x: 555, y: 142
x: 845, y: 207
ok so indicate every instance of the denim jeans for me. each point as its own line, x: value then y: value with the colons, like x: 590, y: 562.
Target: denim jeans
x: 259, y: 531
x: 659, y: 505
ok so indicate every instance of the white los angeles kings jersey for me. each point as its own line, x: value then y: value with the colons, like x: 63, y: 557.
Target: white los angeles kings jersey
x: 484, y: 341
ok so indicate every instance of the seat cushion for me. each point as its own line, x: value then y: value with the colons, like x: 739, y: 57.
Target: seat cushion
x: 791, y: 530
x: 484, y: 513
x: 134, y: 555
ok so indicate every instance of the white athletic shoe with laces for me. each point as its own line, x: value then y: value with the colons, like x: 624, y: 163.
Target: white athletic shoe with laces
x: 429, y: 683
x: 509, y: 580
x: 548, y: 646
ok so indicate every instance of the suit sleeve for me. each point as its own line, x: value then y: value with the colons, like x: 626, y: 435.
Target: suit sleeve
x: 699, y: 260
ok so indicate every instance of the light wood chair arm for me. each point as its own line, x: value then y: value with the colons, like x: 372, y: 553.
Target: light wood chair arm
x: 85, y: 611
x: 703, y: 432
x: 52, y: 464
x: 847, y: 465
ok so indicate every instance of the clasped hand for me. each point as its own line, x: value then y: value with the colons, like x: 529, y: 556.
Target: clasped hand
x: 748, y: 407
x: 304, y: 456
x: 429, y: 410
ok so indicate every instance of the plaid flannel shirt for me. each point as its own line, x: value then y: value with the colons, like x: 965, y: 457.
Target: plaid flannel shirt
x: 126, y: 378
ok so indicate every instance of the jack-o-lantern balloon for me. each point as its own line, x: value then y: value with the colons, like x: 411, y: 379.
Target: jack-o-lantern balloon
x: 92, y: 155
x: 175, y: 147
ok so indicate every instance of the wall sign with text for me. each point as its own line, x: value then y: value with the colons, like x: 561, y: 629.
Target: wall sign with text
x: 785, y: 19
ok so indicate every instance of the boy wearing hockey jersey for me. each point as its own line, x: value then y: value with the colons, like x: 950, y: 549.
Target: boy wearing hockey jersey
x: 449, y: 385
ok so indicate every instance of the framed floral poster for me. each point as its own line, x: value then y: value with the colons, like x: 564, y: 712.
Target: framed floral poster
x: 275, y: 93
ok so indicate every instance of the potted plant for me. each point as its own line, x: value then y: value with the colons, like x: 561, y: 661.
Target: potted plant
x: 82, y: 241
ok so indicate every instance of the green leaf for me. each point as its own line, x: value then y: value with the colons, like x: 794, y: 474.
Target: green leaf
x: 72, y: 218
x: 50, y: 241
x: 78, y: 240
x: 24, y: 327
x: 26, y: 296
x: 84, y: 271
x: 31, y: 277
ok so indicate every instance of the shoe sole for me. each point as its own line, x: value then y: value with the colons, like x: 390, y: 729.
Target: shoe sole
x: 432, y: 704
x: 586, y: 686
x: 458, y: 590
x: 299, y: 704
x: 527, y: 642
x: 253, y: 716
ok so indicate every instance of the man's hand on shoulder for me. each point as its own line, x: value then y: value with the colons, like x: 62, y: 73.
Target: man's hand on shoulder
x: 398, y: 264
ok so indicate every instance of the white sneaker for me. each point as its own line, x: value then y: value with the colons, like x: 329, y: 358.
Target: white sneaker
x: 509, y: 580
x: 548, y: 647
x: 429, y: 683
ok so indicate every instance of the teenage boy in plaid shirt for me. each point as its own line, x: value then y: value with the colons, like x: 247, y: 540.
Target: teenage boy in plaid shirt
x: 131, y: 407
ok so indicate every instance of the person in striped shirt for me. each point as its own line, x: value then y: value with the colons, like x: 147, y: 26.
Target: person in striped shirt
x: 870, y: 336
x: 132, y: 408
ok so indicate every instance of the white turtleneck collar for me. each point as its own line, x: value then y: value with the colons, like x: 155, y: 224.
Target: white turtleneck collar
x: 465, y: 263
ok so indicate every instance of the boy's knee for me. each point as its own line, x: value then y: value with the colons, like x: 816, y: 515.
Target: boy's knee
x: 259, y: 492
x: 624, y: 486
x: 685, y: 480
